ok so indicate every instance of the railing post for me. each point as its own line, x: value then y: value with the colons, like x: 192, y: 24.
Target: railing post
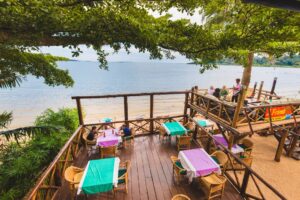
x: 239, y: 105
x: 273, y: 87
x: 78, y: 103
x: 280, y: 146
x: 245, y: 182
x: 186, y: 107
x: 254, y: 88
x: 151, y: 112
x: 260, y: 90
x: 126, y: 110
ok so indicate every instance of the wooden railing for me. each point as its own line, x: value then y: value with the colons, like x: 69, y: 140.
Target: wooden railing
x: 51, y: 179
x: 245, y: 180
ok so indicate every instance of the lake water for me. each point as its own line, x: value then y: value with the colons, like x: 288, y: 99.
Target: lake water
x: 33, y: 97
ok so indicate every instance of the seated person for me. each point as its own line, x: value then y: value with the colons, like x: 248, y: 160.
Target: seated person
x: 92, y: 134
x: 217, y: 93
x: 126, y: 130
x: 224, y: 92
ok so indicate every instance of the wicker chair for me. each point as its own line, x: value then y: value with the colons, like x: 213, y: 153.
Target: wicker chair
x: 190, y: 126
x: 178, y: 171
x: 214, y: 185
x: 162, y: 133
x: 73, y: 176
x: 184, y: 142
x: 89, y: 144
x: 180, y: 197
x: 221, y: 158
x: 108, y: 151
x: 123, y: 176
x: 247, y: 145
x: 130, y: 138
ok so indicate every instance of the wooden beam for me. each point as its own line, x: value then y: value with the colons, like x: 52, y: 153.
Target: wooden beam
x: 151, y: 112
x: 273, y: 87
x: 288, y: 5
x: 260, y: 90
x: 78, y: 103
x: 280, y: 146
x: 126, y: 110
x: 186, y: 107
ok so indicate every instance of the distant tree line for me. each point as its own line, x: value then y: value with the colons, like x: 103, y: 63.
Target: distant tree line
x: 265, y: 61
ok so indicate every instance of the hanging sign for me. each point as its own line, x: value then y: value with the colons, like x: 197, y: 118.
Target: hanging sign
x: 279, y: 113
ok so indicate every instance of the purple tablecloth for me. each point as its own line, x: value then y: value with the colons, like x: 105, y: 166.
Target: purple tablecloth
x: 110, y: 138
x: 198, y: 162
x: 219, y: 139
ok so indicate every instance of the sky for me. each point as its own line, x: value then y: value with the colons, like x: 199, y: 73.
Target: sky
x: 135, y: 56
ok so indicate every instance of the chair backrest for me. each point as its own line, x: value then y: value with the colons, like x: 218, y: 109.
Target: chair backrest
x: 87, y: 141
x: 180, y: 197
x: 248, y: 143
x: 190, y: 125
x: 133, y: 131
x: 108, y: 151
x: 175, y: 159
x: 184, y: 140
x: 162, y: 130
x: 221, y: 156
x: 70, y: 173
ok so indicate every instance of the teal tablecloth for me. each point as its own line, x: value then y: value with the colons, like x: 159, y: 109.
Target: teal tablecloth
x: 99, y: 176
x: 174, y: 128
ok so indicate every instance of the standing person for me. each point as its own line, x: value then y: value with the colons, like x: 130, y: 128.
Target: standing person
x: 236, y: 90
x: 224, y: 92
x: 211, y: 90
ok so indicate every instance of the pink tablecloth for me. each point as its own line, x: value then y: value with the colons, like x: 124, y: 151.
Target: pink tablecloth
x: 198, y: 163
x: 110, y: 138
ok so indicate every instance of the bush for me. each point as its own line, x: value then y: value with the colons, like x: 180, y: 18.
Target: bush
x: 65, y: 117
x: 22, y: 165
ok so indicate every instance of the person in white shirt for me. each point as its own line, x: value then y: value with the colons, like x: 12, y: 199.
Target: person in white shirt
x: 236, y: 90
x: 211, y: 90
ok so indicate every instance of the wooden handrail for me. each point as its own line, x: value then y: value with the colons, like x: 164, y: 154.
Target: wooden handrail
x: 131, y: 94
x: 227, y: 151
x: 44, y: 175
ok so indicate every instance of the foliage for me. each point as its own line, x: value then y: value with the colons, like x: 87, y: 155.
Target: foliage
x: 5, y: 119
x: 22, y: 165
x: 64, y: 117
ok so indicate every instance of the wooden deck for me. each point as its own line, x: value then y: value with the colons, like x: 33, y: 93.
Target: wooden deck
x: 150, y: 174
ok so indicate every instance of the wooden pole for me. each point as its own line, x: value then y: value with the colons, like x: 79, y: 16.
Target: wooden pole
x: 239, y: 105
x: 192, y: 101
x: 151, y: 112
x: 273, y: 87
x: 186, y: 107
x: 78, y: 103
x: 260, y: 90
x: 254, y: 89
x: 126, y: 110
x: 280, y: 146
x: 270, y: 120
x: 245, y: 182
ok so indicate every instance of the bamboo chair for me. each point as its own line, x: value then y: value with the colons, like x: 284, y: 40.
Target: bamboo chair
x: 178, y: 171
x: 123, y: 176
x: 180, y: 197
x: 221, y: 158
x: 129, y: 138
x: 190, y: 126
x: 108, y: 151
x: 247, y: 145
x: 73, y: 176
x: 162, y: 133
x: 214, y: 185
x: 184, y: 142
x: 89, y: 144
x: 247, y: 160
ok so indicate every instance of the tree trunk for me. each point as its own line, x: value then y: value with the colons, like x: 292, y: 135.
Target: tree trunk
x: 247, y: 71
x: 245, y: 82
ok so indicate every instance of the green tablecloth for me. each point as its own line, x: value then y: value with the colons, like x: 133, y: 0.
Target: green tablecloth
x: 174, y: 128
x: 99, y: 176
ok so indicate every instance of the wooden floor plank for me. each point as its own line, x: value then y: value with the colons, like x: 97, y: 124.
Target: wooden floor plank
x: 150, y: 176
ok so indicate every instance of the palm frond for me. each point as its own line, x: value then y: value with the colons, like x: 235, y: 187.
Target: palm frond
x: 29, y: 132
x: 5, y: 119
x: 10, y: 81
